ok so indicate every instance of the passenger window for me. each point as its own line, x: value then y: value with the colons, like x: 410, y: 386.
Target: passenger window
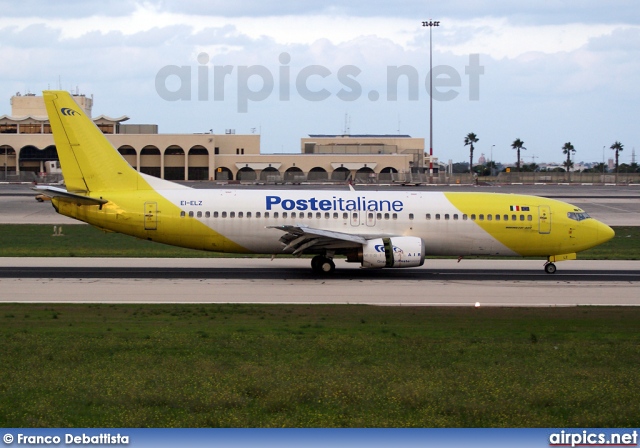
x: 345, y: 216
x: 489, y: 218
x: 310, y: 215
x: 506, y: 217
x: 284, y: 214
x: 240, y: 214
x: 446, y: 216
x: 464, y: 217
x: 428, y: 215
x: 232, y: 214
x: 529, y: 218
x: 379, y: 216
x: 497, y: 217
x: 266, y: 214
x: 455, y: 216
x: 248, y: 214
x: 395, y: 216
x: 182, y: 214
x: 481, y: 217
x: 199, y: 215
x: 257, y: 214
x: 521, y: 217
x: 318, y: 215
x: 335, y: 215
x: 327, y: 215
x: 514, y: 218
x: 190, y: 214
x: 207, y: 214
x: 437, y: 215
x: 386, y: 216
x: 275, y: 215
x: 224, y: 214
x: 410, y: 215
x: 215, y: 214
x: 293, y: 215
x: 473, y: 217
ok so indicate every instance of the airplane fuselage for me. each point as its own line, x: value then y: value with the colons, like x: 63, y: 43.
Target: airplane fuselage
x: 242, y: 221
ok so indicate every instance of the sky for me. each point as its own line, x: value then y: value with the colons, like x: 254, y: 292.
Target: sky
x: 546, y: 72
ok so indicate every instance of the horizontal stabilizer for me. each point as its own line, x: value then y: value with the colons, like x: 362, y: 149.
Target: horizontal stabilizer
x: 54, y: 192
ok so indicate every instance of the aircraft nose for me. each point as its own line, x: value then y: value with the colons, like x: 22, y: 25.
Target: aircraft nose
x: 605, y: 233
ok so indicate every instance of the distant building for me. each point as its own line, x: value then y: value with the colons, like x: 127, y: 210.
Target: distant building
x: 27, y: 144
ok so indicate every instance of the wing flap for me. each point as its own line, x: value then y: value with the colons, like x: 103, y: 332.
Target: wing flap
x: 299, y: 238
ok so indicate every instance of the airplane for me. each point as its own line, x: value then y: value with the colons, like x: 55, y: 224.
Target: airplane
x: 377, y: 229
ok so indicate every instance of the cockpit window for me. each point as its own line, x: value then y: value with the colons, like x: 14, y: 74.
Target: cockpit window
x: 578, y: 216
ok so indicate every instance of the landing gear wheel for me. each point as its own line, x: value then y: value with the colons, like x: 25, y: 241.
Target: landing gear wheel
x: 322, y: 265
x: 550, y: 268
x: 315, y: 263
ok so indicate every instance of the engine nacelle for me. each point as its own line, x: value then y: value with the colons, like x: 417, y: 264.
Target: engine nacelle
x: 397, y: 252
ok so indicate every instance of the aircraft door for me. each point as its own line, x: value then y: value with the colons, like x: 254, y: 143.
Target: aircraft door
x: 150, y: 215
x: 544, y: 219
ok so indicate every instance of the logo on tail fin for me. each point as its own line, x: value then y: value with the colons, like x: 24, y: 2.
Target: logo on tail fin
x: 68, y: 111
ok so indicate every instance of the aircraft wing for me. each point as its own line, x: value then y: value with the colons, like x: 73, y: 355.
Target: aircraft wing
x: 55, y: 192
x: 301, y: 237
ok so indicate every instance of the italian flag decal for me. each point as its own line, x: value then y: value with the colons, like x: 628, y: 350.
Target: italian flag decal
x: 518, y: 208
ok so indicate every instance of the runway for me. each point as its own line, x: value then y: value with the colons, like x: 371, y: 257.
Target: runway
x: 238, y: 280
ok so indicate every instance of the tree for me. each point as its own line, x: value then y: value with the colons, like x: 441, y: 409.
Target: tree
x: 469, y: 140
x: 568, y: 149
x: 518, y: 145
x: 617, y: 147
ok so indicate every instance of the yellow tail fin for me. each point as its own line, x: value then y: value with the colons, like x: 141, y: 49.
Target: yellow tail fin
x: 89, y: 161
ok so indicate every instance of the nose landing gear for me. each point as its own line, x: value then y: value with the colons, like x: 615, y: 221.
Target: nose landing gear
x: 549, y: 268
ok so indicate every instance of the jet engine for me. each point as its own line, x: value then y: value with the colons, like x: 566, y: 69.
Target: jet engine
x: 395, y: 252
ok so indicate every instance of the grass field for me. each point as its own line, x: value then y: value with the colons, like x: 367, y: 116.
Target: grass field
x: 317, y: 366
x: 85, y: 241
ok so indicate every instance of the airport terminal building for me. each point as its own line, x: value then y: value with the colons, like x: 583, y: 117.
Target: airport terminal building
x: 27, y: 151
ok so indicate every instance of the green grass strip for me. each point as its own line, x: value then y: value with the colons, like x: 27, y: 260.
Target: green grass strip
x: 317, y: 366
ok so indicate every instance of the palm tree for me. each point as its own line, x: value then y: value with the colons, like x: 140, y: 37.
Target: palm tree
x: 617, y: 147
x: 518, y: 145
x: 568, y: 149
x: 469, y: 140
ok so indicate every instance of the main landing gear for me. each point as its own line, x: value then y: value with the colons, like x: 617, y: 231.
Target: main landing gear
x: 322, y: 264
x: 549, y: 268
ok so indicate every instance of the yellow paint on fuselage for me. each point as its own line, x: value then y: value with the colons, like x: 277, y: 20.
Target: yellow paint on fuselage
x: 528, y: 238
x: 125, y: 213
